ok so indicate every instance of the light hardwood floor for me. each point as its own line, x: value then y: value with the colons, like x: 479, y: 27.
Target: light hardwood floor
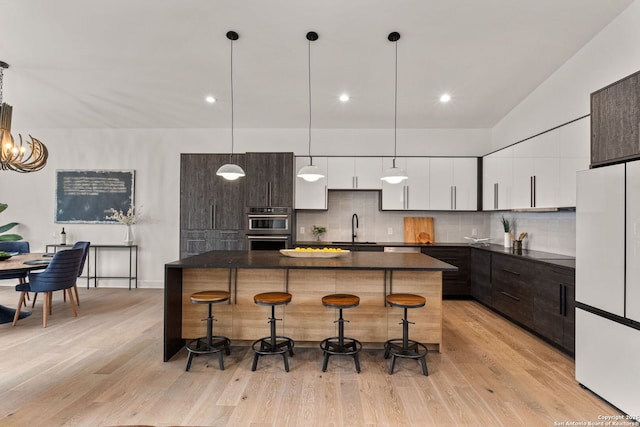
x: 104, y: 368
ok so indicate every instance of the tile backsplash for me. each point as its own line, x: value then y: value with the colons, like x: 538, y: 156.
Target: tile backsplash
x: 549, y: 232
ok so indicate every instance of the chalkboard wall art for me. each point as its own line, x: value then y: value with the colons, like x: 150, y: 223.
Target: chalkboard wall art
x: 86, y: 196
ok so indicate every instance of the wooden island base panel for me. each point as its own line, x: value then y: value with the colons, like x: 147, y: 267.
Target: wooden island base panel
x: 370, y: 275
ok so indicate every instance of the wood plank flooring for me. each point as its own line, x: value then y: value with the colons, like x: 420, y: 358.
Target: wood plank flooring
x: 104, y: 368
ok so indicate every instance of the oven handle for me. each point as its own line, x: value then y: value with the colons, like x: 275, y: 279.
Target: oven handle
x: 268, y: 216
x: 269, y: 237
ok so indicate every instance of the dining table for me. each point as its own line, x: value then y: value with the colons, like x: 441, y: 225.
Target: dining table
x: 21, y: 263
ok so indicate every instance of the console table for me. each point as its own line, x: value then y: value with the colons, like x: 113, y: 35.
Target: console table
x: 133, y: 262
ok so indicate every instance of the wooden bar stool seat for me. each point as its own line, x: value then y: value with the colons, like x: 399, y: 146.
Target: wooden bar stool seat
x: 405, y: 347
x: 273, y: 344
x: 340, y: 345
x: 210, y: 343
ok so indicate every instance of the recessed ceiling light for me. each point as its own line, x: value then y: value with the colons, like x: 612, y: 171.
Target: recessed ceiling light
x: 210, y: 99
x: 445, y: 97
x: 344, y: 97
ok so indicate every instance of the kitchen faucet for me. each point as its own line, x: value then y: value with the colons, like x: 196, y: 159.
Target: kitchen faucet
x: 354, y: 226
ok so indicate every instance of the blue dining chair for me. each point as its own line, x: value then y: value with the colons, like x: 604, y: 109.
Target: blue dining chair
x: 60, y: 275
x: 85, y: 252
x: 20, y: 247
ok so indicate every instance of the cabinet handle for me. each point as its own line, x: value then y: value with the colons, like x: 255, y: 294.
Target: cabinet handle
x: 495, y: 196
x: 513, y: 297
x: 213, y: 216
x: 532, y: 189
x: 451, y: 197
x: 455, y: 197
x: 406, y: 197
x: 515, y: 273
x: 562, y: 308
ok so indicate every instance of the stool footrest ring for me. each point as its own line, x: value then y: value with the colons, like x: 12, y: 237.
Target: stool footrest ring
x: 333, y: 346
x: 413, y: 350
x: 263, y: 347
x: 199, y: 346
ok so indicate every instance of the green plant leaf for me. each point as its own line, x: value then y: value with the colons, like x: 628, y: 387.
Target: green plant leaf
x: 10, y: 237
x: 3, y: 206
x: 7, y: 227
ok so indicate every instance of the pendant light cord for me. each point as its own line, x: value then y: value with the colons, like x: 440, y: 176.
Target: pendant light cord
x: 230, y: 155
x: 395, y: 109
x: 309, y: 83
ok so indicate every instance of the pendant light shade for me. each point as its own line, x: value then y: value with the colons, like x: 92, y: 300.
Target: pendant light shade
x: 310, y: 172
x: 230, y: 171
x: 395, y: 175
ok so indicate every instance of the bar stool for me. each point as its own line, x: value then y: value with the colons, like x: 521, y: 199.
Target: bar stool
x: 210, y: 343
x: 340, y: 345
x: 405, y: 347
x: 273, y: 344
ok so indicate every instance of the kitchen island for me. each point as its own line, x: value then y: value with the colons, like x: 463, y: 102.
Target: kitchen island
x: 370, y: 275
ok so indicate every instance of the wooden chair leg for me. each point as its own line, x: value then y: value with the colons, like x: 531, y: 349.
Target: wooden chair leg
x: 20, y: 303
x: 35, y: 297
x: 50, y: 302
x: 75, y: 289
x: 45, y: 308
x: 73, y: 304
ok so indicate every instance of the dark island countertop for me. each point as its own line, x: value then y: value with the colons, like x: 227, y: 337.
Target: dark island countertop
x: 349, y: 261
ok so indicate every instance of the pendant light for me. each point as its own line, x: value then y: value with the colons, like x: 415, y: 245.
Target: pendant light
x: 25, y: 156
x: 231, y: 171
x: 395, y: 175
x: 310, y: 172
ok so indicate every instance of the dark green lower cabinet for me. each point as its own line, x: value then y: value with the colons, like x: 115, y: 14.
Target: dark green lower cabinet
x: 554, y: 305
x: 455, y: 284
x: 481, y: 276
x: 538, y: 295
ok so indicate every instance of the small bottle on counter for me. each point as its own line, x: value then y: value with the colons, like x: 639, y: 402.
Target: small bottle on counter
x: 63, y: 237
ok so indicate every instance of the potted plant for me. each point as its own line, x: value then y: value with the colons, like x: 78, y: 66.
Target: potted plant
x: 508, y: 237
x: 7, y: 227
x: 318, y: 230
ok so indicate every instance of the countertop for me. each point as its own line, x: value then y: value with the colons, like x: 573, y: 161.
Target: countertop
x: 545, y: 257
x: 351, y: 261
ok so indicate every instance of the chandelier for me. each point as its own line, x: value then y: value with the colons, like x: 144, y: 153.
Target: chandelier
x: 25, y: 156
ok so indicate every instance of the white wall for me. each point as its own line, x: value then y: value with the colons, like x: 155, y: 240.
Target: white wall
x: 155, y: 156
x: 611, y: 55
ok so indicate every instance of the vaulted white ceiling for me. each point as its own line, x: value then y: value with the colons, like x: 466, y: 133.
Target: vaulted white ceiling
x: 150, y: 63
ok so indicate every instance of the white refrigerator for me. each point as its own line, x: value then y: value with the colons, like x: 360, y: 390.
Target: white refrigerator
x: 608, y: 284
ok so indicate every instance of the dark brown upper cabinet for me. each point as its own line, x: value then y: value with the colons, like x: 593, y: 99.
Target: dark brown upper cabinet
x: 269, y: 180
x: 615, y: 122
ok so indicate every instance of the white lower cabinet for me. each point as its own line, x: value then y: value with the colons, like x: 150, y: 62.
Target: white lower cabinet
x: 607, y: 360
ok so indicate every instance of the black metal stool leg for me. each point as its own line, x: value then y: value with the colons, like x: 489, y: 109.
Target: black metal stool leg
x: 206, y: 344
x: 269, y: 345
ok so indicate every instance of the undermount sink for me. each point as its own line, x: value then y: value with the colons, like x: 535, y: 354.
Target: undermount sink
x: 352, y: 243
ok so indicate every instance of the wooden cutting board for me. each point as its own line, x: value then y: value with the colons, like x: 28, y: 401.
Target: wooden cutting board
x: 418, y: 230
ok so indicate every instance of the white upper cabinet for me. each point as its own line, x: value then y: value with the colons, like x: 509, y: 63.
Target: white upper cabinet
x: 575, y: 152
x: 412, y: 193
x: 536, y: 172
x: 453, y: 183
x: 497, y: 180
x: 311, y: 195
x: 354, y: 173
